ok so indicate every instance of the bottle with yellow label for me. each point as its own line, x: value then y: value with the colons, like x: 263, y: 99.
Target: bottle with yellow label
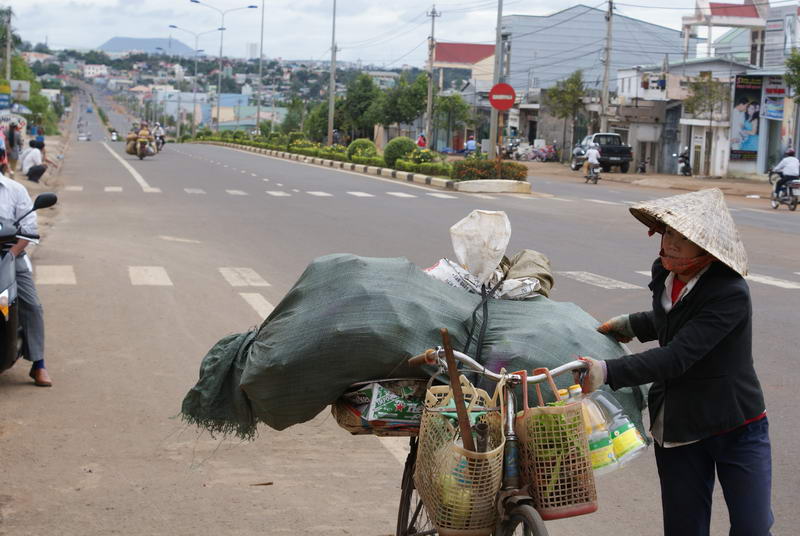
x: 601, y: 448
x: 626, y: 439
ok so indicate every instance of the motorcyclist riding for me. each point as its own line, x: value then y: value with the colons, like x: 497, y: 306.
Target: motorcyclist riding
x: 160, y: 135
x: 790, y: 169
x: 592, y: 158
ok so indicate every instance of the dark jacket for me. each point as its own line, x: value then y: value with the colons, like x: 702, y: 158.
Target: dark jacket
x: 703, y: 370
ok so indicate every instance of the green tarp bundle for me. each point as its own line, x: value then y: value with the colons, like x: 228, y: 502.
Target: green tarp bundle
x: 350, y: 319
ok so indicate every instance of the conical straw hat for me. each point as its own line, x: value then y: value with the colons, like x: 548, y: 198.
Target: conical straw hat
x: 703, y: 218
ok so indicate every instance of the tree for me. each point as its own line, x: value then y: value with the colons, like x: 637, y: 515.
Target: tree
x: 792, y: 76
x: 707, y: 96
x: 294, y: 116
x: 405, y: 102
x: 564, y: 100
x: 361, y: 93
x: 450, y: 112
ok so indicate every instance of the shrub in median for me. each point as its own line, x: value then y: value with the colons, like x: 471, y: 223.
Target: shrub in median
x: 361, y: 147
x: 376, y: 161
x: 435, y: 169
x: 473, y: 169
x: 399, y: 147
x: 405, y: 165
x: 296, y: 138
x: 334, y: 152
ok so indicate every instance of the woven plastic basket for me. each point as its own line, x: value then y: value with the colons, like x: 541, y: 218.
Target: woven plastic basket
x: 555, y: 461
x: 459, y: 487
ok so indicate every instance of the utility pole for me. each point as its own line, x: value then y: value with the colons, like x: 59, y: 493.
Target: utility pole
x: 8, y: 45
x: 260, y: 73
x: 431, y: 48
x: 332, y: 85
x: 606, y: 67
x: 498, y: 65
x: 180, y: 118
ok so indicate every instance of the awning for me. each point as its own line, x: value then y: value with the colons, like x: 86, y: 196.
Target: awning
x: 529, y: 106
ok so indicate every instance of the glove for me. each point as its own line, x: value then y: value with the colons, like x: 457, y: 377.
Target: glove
x: 595, y: 376
x: 618, y: 327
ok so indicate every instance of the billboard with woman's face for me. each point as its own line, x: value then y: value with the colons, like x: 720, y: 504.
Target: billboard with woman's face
x: 745, y: 117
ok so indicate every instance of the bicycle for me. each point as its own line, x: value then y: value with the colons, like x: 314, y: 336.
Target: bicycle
x: 517, y: 514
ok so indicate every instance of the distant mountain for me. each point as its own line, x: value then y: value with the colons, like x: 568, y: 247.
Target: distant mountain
x: 170, y: 46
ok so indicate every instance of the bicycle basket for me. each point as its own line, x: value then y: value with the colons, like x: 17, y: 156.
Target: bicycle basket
x: 458, y: 487
x: 555, y: 461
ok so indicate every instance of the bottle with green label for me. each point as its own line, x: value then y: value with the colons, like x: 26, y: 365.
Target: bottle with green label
x: 625, y: 438
x: 601, y: 448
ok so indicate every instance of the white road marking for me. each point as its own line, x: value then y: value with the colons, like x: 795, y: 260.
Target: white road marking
x: 146, y: 188
x: 631, y: 202
x: 647, y: 273
x: 236, y: 192
x: 602, y: 202
x: 279, y: 185
x: 554, y: 198
x: 198, y: 191
x: 397, y: 447
x: 265, y: 180
x: 113, y: 188
x: 774, y: 281
x: 295, y: 190
x: 259, y: 304
x: 243, y: 171
x: 443, y: 196
x: 242, y: 277
x: 149, y: 276
x: 599, y: 280
x: 400, y: 194
x: 74, y: 188
x: 797, y: 273
x: 320, y: 194
x: 759, y: 210
x: 253, y: 175
x: 55, y: 275
x: 483, y: 196
x: 360, y: 194
x: 178, y: 239
x: 225, y: 165
x: 526, y: 197
x: 278, y: 193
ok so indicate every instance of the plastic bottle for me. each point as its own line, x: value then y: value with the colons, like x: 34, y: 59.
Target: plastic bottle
x: 628, y: 442
x: 601, y: 448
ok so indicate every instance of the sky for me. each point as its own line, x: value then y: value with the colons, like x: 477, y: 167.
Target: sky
x: 376, y: 32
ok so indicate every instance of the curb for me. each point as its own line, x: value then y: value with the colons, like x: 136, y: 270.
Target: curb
x: 436, y: 182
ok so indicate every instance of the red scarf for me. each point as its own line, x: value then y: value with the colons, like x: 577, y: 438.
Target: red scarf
x: 685, y: 267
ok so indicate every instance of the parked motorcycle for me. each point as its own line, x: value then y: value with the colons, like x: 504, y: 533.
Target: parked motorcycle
x: 12, y: 344
x: 790, y: 194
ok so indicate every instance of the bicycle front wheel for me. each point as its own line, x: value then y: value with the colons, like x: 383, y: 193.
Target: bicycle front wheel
x: 412, y: 519
x: 523, y: 520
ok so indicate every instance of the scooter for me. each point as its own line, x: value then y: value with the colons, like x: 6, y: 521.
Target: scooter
x: 159, y: 143
x: 789, y: 195
x: 594, y: 173
x: 684, y: 166
x: 642, y: 167
x: 12, y: 342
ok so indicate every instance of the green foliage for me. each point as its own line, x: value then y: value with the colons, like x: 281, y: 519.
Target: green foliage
x: 295, y: 137
x: 405, y: 102
x: 239, y: 135
x: 792, y: 75
x: 420, y: 155
x: 361, y: 93
x: 477, y: 155
x: 707, y: 96
x: 402, y: 164
x: 468, y: 170
x: 435, y: 169
x: 361, y: 147
x: 265, y: 128
x: 184, y: 138
x: 227, y: 135
x: 399, y: 147
x: 451, y: 111
x: 294, y: 116
x: 565, y: 98
x: 277, y: 141
x: 334, y: 152
x: 376, y: 161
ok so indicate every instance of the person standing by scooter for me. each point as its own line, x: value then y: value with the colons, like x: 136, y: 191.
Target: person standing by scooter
x: 789, y: 168
x: 15, y: 202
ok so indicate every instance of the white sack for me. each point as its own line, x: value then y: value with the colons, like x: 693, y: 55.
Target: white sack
x: 480, y: 241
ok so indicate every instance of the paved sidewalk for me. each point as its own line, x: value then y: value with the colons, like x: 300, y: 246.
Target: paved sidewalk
x: 739, y: 187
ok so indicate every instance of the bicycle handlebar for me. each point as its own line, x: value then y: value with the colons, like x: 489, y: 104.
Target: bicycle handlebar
x: 434, y: 356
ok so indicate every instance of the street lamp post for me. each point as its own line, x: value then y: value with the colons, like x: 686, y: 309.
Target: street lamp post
x: 260, y: 73
x: 221, y: 33
x: 194, y: 82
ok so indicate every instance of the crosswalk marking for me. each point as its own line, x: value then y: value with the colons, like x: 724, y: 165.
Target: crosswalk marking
x: 320, y: 194
x: 242, y: 277
x: 603, y: 202
x: 360, y: 194
x: 265, y: 180
x: 526, y: 197
x: 55, y: 275
x: 774, y: 281
x: 243, y: 171
x: 149, y: 276
x: 258, y: 302
x: 647, y: 273
x: 599, y: 280
x: 253, y: 175
x: 554, y: 198
x: 113, y: 188
x: 194, y: 190
x: 295, y: 190
x: 178, y: 239
x: 225, y: 165
x: 236, y: 192
x: 483, y: 196
x: 761, y: 210
x: 74, y: 188
x: 278, y: 193
x: 443, y: 196
x: 400, y: 194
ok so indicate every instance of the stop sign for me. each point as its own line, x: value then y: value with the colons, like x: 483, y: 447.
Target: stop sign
x: 502, y: 96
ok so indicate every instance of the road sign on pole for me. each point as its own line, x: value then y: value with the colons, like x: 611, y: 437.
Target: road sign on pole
x: 502, y: 96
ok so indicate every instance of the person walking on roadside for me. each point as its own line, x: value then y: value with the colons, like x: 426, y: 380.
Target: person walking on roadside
x: 707, y: 409
x: 789, y: 167
x: 14, y: 203
x: 14, y: 145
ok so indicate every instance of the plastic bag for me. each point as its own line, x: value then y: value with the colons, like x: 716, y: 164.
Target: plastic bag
x: 480, y: 241
x: 454, y: 275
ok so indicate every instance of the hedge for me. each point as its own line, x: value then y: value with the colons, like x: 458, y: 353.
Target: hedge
x: 361, y: 147
x: 405, y: 165
x: 436, y: 169
x: 399, y: 147
x: 376, y: 161
x: 470, y: 170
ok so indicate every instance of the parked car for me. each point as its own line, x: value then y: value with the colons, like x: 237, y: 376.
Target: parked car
x: 613, y: 153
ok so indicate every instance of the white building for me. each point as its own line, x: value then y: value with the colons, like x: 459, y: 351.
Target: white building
x: 252, y: 51
x: 93, y: 71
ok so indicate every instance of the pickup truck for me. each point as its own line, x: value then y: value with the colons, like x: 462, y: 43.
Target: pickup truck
x: 612, y: 152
